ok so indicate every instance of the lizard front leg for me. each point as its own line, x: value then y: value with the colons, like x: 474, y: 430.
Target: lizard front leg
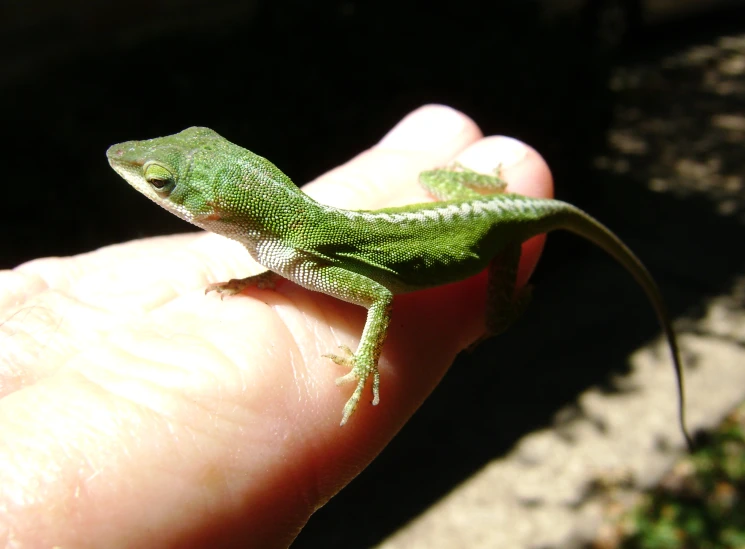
x: 363, y: 363
x: 234, y: 286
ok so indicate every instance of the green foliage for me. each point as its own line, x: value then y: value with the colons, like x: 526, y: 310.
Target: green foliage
x: 701, y: 503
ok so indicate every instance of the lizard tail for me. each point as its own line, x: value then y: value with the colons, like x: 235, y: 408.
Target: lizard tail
x: 576, y: 221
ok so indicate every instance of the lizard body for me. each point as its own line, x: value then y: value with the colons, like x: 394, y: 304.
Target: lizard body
x: 364, y: 257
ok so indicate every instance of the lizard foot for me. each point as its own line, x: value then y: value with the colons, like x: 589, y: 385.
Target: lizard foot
x: 231, y: 287
x: 237, y: 285
x: 360, y: 371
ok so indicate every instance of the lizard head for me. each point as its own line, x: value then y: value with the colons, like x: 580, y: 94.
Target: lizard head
x: 212, y: 183
x: 175, y: 171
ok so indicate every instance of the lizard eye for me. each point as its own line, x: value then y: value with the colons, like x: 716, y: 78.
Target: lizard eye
x: 160, y: 178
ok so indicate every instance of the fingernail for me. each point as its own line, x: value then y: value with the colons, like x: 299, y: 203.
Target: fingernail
x: 509, y: 151
x: 490, y: 152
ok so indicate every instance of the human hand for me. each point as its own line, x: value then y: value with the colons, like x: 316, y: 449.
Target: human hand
x: 137, y: 412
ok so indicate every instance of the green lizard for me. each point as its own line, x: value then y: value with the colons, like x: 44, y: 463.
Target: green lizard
x: 364, y: 257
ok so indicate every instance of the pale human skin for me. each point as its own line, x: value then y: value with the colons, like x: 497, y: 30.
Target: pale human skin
x: 138, y: 412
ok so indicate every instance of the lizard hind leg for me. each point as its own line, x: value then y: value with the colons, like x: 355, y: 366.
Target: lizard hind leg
x: 456, y: 182
x: 504, y: 304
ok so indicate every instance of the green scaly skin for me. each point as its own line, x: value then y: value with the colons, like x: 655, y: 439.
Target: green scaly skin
x: 363, y: 257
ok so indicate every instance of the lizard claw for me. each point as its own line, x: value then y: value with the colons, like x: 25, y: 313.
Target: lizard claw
x: 346, y: 360
x: 360, y: 373
x: 231, y: 287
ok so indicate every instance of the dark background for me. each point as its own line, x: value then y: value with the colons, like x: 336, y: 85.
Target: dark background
x: 310, y: 86
x: 307, y: 87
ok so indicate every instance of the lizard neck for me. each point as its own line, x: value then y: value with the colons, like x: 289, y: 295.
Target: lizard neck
x: 256, y: 204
